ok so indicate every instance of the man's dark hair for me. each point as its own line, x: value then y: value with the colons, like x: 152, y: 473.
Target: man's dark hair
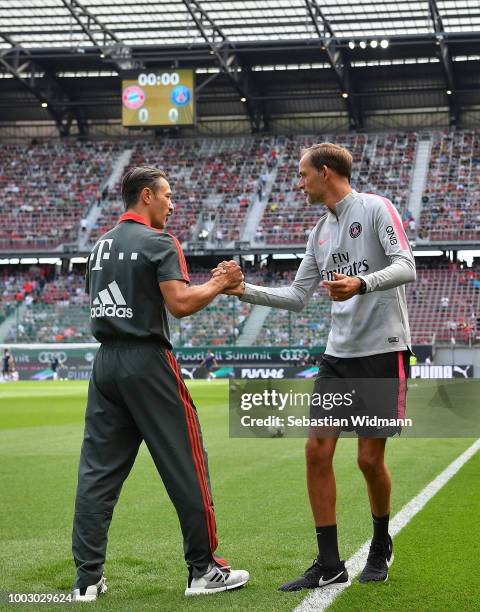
x: 137, y: 179
x: 331, y: 155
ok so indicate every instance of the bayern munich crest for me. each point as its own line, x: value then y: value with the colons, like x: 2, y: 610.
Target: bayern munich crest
x: 355, y: 229
x: 181, y: 95
x: 133, y: 97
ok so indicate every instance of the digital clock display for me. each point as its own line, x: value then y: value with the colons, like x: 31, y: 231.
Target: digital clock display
x: 159, y: 99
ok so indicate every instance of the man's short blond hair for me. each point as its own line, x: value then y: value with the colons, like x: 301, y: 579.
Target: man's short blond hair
x: 331, y: 155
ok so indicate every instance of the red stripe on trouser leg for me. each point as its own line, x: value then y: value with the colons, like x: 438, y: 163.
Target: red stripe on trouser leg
x: 199, y: 448
x: 221, y: 561
x: 209, y: 509
x: 193, y: 445
x: 197, y: 453
x: 402, y: 387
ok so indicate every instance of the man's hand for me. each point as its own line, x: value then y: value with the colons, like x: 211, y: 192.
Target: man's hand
x: 225, y: 268
x: 343, y: 287
x: 239, y: 290
x: 182, y: 300
x: 230, y: 274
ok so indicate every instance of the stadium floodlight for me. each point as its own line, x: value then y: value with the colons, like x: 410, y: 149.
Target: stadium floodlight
x: 374, y: 44
x: 102, y: 55
x: 363, y: 44
x: 44, y: 105
x: 344, y: 94
x: 449, y: 92
x: 351, y: 44
x: 243, y: 99
x: 384, y: 43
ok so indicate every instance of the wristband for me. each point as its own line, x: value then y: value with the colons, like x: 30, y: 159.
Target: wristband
x: 363, y: 286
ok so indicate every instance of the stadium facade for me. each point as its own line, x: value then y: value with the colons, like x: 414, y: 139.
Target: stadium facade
x: 399, y: 86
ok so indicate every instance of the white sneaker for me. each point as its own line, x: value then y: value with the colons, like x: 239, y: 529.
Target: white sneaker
x: 217, y: 579
x: 90, y: 593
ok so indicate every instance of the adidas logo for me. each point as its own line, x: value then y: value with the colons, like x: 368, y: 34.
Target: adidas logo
x: 110, y: 303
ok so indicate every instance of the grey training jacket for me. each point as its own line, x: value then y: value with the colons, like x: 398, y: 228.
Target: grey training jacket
x: 365, y: 238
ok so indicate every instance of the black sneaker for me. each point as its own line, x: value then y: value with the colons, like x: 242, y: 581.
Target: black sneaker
x: 316, y: 576
x: 380, y: 558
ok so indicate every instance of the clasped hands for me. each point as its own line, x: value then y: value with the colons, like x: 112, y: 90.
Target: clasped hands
x: 232, y: 276
x: 342, y: 288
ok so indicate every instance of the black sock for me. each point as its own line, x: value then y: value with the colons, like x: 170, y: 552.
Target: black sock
x: 328, y: 545
x: 380, y: 527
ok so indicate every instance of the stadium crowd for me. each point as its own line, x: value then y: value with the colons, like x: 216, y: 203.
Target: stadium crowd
x: 382, y: 163
x: 213, y: 183
x: 216, y: 181
x: 451, y: 202
x: 47, y: 188
x: 48, y: 306
x: 444, y: 303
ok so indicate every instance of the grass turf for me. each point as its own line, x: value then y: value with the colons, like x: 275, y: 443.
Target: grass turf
x: 262, y: 510
x: 436, y: 556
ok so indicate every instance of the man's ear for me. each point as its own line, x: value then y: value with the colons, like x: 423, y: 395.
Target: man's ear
x: 146, y: 195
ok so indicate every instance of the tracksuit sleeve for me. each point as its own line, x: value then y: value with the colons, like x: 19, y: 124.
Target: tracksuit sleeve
x: 389, y: 228
x: 296, y: 296
x: 167, y: 256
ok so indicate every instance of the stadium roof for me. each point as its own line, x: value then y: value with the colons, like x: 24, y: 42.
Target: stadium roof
x: 38, y: 24
x: 254, y: 59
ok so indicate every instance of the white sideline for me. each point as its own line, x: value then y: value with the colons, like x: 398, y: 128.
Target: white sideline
x: 320, y: 599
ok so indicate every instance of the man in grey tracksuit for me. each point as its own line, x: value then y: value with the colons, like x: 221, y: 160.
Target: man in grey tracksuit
x: 137, y: 272
x: 359, y: 252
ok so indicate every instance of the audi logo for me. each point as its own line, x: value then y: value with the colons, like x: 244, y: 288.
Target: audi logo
x: 294, y: 354
x: 49, y: 356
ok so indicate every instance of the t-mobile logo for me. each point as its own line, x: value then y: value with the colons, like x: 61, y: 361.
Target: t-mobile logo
x: 100, y: 254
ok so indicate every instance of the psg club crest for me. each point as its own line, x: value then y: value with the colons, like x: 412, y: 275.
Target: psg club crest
x: 181, y: 95
x: 355, y: 229
x: 133, y: 97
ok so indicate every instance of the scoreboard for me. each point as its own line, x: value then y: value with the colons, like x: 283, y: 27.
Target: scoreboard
x: 159, y: 98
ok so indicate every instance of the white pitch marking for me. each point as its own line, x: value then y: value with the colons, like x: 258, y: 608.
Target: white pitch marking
x: 134, y: 256
x: 320, y: 599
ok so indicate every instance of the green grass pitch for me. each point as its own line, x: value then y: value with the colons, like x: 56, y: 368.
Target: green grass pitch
x: 262, y: 511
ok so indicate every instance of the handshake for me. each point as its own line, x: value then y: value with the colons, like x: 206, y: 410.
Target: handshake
x: 230, y: 275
